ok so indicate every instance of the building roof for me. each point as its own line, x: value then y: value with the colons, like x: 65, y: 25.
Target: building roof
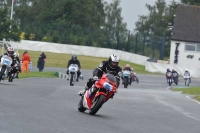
x: 187, y: 24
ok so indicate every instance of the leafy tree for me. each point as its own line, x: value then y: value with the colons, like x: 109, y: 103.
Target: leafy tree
x: 9, y: 29
x: 191, y: 2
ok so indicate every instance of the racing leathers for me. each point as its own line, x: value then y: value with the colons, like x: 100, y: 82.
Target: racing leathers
x: 104, y: 67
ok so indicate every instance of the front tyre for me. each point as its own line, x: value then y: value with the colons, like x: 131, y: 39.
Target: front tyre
x: 71, y: 80
x: 96, y: 105
x: 80, y: 105
x: 125, y: 82
x: 3, y: 69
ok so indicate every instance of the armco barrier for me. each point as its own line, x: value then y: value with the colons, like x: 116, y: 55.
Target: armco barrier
x: 79, y: 50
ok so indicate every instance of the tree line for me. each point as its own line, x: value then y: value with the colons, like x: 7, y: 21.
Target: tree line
x: 91, y: 23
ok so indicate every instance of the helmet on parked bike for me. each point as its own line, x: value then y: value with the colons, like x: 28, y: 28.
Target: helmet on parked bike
x: 10, y: 51
x: 113, y: 61
x: 74, y: 57
x: 127, y: 65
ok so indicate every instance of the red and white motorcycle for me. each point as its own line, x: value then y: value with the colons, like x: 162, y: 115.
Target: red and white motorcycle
x: 93, y: 100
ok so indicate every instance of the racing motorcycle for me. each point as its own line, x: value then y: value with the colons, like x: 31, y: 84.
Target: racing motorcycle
x: 93, y: 100
x: 134, y: 77
x: 187, y: 79
x: 169, y: 78
x: 6, y: 62
x: 13, y: 71
x: 73, y: 69
x: 126, y: 78
x: 175, y: 78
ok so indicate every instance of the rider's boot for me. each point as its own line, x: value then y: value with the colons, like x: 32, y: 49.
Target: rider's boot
x: 82, y: 92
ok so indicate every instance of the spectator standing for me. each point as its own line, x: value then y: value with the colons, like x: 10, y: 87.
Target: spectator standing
x: 25, y: 62
x: 41, y: 62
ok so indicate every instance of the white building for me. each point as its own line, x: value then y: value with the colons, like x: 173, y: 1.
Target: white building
x: 185, y: 43
x: 185, y: 40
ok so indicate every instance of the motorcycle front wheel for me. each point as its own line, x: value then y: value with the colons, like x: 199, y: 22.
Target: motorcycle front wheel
x: 3, y: 69
x: 71, y: 80
x: 125, y: 82
x: 96, y: 105
x: 80, y: 105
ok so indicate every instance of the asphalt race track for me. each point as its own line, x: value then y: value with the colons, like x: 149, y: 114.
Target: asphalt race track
x: 42, y: 105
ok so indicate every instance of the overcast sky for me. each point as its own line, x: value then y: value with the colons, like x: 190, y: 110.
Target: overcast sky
x: 131, y: 9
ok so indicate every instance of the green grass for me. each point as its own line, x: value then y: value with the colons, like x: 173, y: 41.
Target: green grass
x: 191, y: 90
x: 197, y: 98
x: 87, y: 62
x: 38, y: 74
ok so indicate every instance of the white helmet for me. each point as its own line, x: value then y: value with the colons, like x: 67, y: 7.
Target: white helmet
x: 127, y: 65
x: 186, y: 70
x: 10, y: 51
x: 16, y: 54
x: 113, y: 61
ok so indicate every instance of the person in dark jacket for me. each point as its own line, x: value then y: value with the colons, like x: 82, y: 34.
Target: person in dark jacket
x: 109, y: 66
x: 41, y: 62
x: 74, y: 60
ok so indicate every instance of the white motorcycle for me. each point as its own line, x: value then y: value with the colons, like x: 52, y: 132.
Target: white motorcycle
x: 187, y: 79
x: 6, y: 62
x: 126, y: 78
x: 73, y: 69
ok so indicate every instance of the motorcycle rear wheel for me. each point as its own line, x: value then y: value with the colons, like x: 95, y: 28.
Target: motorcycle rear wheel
x: 99, y: 101
x: 10, y: 78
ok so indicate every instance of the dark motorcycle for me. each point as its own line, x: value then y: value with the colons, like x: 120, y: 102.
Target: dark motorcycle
x: 15, y: 69
x: 169, y: 78
x: 175, y: 78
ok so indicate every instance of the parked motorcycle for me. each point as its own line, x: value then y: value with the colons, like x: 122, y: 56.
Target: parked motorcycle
x: 126, y: 78
x: 6, y: 62
x: 93, y: 100
x: 169, y: 78
x: 73, y: 69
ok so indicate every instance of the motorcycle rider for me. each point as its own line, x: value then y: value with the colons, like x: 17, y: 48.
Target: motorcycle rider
x: 17, y: 61
x: 10, y: 52
x: 110, y: 66
x: 168, y: 71
x: 173, y: 71
x: 128, y: 68
x: 133, y: 75
x: 187, y: 73
x: 74, y: 60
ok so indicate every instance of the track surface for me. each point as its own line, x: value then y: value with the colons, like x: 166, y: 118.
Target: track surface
x: 41, y: 105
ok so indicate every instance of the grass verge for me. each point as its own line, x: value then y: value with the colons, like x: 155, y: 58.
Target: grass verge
x: 87, y: 62
x: 38, y: 74
x: 191, y: 90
